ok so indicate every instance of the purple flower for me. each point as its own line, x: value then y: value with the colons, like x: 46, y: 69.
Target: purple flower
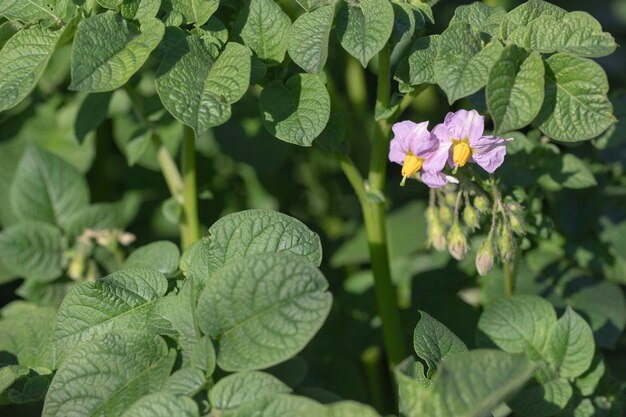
x: 462, y: 134
x: 417, y: 150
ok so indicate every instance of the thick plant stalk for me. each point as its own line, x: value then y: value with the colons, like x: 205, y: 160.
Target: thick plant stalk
x: 190, y: 200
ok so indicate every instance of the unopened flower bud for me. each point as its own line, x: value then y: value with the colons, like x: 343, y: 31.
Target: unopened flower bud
x: 514, y: 206
x: 436, y: 236
x: 126, y: 238
x: 481, y: 203
x: 506, y: 244
x: 445, y: 214
x: 517, y: 224
x: 450, y: 198
x: 457, y: 242
x: 470, y: 217
x: 77, y: 267
x: 484, y: 257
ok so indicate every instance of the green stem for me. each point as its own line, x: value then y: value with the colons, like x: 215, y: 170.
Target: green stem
x: 509, y: 278
x: 190, y: 199
x: 170, y: 171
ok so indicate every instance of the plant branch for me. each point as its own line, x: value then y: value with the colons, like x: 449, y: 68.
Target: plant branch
x: 190, y: 198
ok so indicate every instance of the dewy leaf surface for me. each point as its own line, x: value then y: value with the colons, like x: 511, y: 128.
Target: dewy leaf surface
x: 576, y: 106
x: 571, y: 346
x: 462, y: 65
x: 108, y: 50
x: 163, y: 404
x: 33, y: 250
x: 30, y: 11
x: 473, y: 383
x: 23, y: 59
x: 251, y: 232
x: 263, y: 309
x: 364, y: 27
x: 235, y: 389
x: 433, y: 341
x: 264, y: 28
x: 196, y: 83
x: 308, y: 39
x: 296, y: 111
x: 46, y: 188
x: 515, y: 89
x: 106, y: 376
x: 193, y: 11
x: 118, y: 301
x: 520, y: 324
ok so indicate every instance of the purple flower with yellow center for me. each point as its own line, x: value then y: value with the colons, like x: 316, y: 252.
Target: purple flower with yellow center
x: 462, y: 133
x: 418, y: 151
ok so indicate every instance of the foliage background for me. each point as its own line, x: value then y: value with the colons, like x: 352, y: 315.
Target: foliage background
x: 243, y: 166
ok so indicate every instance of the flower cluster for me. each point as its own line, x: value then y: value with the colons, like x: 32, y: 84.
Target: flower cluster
x: 458, y: 140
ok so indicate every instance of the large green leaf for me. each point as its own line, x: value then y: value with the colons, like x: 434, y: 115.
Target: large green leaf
x: 542, y: 400
x: 481, y: 17
x: 192, y: 11
x: 108, y: 50
x: 106, y: 376
x: 161, y: 255
x: 283, y: 405
x: 197, y: 83
x: 308, y: 39
x: 163, y: 404
x: 252, y: 232
x: 296, y: 111
x: 518, y: 324
x: 567, y: 171
x: 264, y: 27
x: 350, y: 409
x: 433, y: 341
x: 263, y: 309
x: 571, y: 347
x: 419, y: 66
x: 48, y: 189
x: 33, y: 250
x: 364, y: 27
x: 119, y: 301
x: 23, y: 59
x: 232, y: 391
x: 186, y: 381
x: 515, y: 89
x: 462, y: 65
x: 30, y: 11
x: 520, y: 17
x: 576, y: 106
x: 25, y: 331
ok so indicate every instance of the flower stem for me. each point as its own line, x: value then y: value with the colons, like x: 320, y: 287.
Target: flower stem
x: 190, y: 200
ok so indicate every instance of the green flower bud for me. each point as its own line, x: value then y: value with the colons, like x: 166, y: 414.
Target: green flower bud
x: 457, y: 242
x: 450, y: 198
x: 470, y: 216
x: 77, y: 267
x: 506, y: 244
x: 484, y: 257
x: 517, y: 224
x: 436, y: 235
x: 445, y: 214
x: 481, y: 203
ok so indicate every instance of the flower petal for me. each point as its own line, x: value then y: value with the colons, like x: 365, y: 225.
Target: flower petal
x: 396, y: 152
x: 442, y: 133
x: 436, y: 159
x: 433, y: 179
x: 465, y: 124
x: 490, y: 157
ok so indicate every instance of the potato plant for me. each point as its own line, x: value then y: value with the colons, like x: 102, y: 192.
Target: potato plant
x: 253, y: 207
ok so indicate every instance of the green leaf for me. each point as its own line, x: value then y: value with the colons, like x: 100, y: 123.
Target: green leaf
x: 462, y: 65
x: 542, y: 400
x: 263, y: 309
x: 308, y: 39
x: 196, y: 83
x: 571, y: 346
x: 515, y: 89
x: 433, y: 342
x: 569, y: 172
x: 20, y: 71
x: 236, y: 389
x: 364, y: 27
x: 10, y: 374
x: 520, y: 324
x: 163, y: 404
x: 296, y: 111
x: 332, y: 138
x: 193, y: 11
x: 108, y: 50
x: 576, y: 106
x: 404, y: 22
x: 473, y: 383
x: 185, y: 381
x: 98, y: 216
x: 106, y: 376
x: 29, y: 11
x: 419, y: 66
x: 33, y: 250
x: 264, y: 27
x: 119, y: 301
x: 252, y: 232
x: 520, y: 17
x: 283, y: 405
x: 202, y: 356
x: 48, y: 189
x: 309, y: 5
x: 25, y: 333
x: 350, y: 409
x: 161, y: 255
x: 480, y: 16
x: 588, y: 382
x: 195, y: 259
